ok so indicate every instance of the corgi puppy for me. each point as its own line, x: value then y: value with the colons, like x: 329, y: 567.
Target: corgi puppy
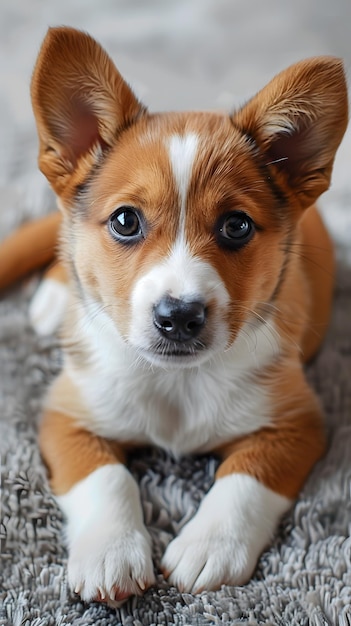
x: 199, y: 281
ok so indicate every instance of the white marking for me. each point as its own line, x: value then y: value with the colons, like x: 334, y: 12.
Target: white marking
x: 48, y: 306
x: 108, y: 543
x: 182, y: 151
x: 224, y: 540
x: 131, y: 394
x: 181, y: 275
x: 182, y: 409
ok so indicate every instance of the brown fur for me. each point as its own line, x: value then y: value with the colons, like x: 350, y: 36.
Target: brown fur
x: 100, y: 149
x: 16, y: 252
x: 281, y: 456
x: 102, y: 105
x: 71, y: 452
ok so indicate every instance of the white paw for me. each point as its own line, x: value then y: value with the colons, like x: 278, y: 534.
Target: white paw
x: 48, y: 306
x: 204, y: 558
x: 224, y: 540
x: 110, y: 566
x: 109, y: 546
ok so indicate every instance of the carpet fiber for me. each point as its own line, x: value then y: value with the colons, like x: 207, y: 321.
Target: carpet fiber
x: 305, y: 575
x: 303, y: 578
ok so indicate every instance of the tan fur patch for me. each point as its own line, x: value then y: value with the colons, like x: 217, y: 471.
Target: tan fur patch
x: 71, y: 453
x: 29, y: 248
x: 270, y: 160
x: 281, y: 457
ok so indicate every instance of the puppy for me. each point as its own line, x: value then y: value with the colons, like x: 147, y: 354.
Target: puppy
x: 200, y: 279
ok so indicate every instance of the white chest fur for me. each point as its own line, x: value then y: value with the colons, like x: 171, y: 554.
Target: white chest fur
x: 182, y: 410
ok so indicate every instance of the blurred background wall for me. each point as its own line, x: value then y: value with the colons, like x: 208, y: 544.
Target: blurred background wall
x: 176, y: 54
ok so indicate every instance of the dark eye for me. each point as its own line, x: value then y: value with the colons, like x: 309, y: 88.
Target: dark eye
x: 125, y: 224
x: 234, y: 230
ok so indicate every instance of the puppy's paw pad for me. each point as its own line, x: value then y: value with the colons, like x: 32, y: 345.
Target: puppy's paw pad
x: 114, y: 598
x: 115, y: 594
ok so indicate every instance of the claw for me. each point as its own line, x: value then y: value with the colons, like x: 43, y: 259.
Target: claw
x: 102, y: 594
x: 113, y: 594
x: 116, y: 594
x: 141, y: 584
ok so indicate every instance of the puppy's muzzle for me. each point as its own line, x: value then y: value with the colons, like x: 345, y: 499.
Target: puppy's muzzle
x: 179, y: 320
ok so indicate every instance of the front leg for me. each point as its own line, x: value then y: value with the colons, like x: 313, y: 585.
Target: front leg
x: 109, y: 546
x: 223, y: 541
x: 257, y: 481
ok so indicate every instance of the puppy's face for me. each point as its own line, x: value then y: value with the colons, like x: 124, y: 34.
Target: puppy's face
x: 179, y: 237
x: 180, y: 224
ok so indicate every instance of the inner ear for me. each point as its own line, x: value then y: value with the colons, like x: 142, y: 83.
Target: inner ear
x: 305, y: 156
x: 291, y: 152
x: 82, y: 133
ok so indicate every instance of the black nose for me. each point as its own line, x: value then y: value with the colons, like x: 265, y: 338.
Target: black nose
x: 179, y: 320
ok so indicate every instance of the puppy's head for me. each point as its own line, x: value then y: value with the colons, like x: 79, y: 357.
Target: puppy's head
x: 177, y: 224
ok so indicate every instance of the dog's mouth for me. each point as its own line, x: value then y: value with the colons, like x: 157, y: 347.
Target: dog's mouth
x: 176, y: 353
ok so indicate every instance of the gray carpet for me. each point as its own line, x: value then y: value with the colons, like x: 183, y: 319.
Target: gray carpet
x: 177, y: 54
x: 304, y: 577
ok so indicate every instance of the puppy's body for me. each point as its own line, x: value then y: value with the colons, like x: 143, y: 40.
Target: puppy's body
x: 196, y: 285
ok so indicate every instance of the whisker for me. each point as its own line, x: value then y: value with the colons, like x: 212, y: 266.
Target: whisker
x: 272, y: 333
x: 302, y: 254
x: 277, y: 161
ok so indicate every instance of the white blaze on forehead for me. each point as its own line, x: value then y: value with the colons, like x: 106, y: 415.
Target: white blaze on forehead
x: 182, y: 152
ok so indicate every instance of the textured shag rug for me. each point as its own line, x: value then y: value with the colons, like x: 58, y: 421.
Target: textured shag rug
x: 303, y: 578
x: 180, y: 53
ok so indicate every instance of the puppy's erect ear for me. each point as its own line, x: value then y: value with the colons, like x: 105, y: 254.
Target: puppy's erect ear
x: 297, y: 121
x: 81, y: 103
